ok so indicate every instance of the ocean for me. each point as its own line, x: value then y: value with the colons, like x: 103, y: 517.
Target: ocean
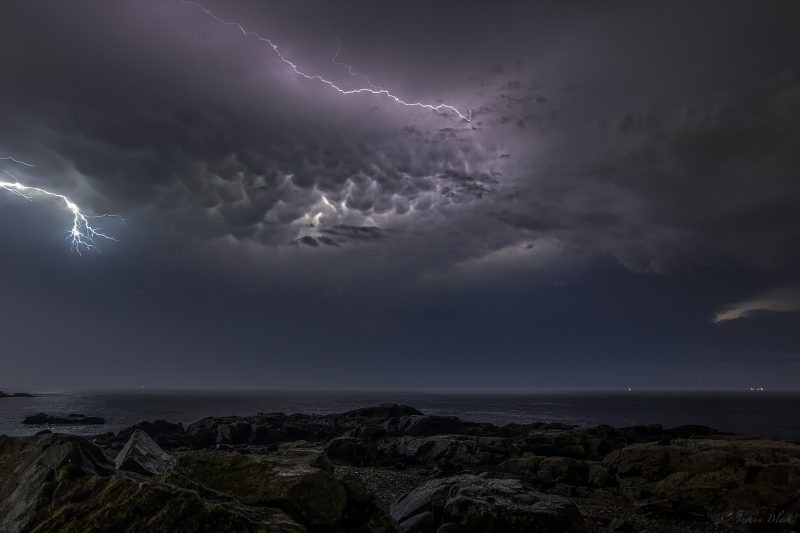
x: 752, y: 413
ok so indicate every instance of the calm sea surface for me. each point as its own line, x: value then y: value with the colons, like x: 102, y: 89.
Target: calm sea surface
x: 755, y: 413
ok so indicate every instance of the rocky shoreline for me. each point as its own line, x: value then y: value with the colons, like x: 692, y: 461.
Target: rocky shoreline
x: 393, y: 468
x: 72, y: 419
x: 15, y: 395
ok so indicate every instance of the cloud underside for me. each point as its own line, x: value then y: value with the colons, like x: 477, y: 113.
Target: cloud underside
x: 231, y: 146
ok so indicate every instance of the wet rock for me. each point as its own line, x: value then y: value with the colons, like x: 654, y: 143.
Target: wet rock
x: 72, y: 419
x: 142, y: 455
x: 488, y: 505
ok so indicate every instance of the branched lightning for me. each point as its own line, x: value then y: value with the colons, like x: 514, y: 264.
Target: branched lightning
x: 82, y: 234
x: 371, y: 89
x: 361, y: 75
x: 9, y: 158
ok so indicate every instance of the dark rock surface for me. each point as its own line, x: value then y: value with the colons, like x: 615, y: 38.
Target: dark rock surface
x: 479, y: 504
x: 273, y: 471
x: 72, y: 419
x: 59, y: 483
x: 707, y: 478
x: 299, y: 481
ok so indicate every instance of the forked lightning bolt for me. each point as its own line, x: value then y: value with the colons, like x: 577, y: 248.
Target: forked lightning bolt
x: 361, y: 75
x: 372, y: 89
x: 82, y: 234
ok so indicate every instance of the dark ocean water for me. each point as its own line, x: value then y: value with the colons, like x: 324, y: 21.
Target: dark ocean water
x: 753, y: 413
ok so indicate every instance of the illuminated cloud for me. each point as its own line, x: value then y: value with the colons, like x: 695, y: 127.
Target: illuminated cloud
x: 782, y: 300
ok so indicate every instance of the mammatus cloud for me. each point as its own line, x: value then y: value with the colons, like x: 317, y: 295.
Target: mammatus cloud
x: 781, y: 300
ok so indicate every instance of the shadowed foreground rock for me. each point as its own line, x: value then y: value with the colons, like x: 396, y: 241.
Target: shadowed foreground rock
x: 299, y: 481
x: 276, y: 472
x: 64, y: 483
x: 473, y: 504
x: 684, y: 473
x: 61, y: 483
x: 705, y: 478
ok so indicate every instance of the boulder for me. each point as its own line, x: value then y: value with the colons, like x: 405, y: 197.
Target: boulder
x: 142, y: 455
x: 351, y: 451
x: 72, y: 419
x: 479, y: 504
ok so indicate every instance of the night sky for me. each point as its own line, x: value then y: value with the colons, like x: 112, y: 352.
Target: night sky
x: 620, y: 211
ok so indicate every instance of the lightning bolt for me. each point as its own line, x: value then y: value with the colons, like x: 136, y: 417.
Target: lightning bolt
x: 361, y: 75
x: 9, y: 158
x: 371, y: 89
x: 82, y: 234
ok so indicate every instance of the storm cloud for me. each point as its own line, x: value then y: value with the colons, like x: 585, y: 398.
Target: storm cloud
x: 628, y: 142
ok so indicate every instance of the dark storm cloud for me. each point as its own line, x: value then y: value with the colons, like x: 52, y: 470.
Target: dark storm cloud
x: 657, y: 137
x: 230, y: 143
x: 219, y: 150
x: 668, y: 186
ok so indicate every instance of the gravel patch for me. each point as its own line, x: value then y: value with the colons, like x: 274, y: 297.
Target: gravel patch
x: 386, y: 483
